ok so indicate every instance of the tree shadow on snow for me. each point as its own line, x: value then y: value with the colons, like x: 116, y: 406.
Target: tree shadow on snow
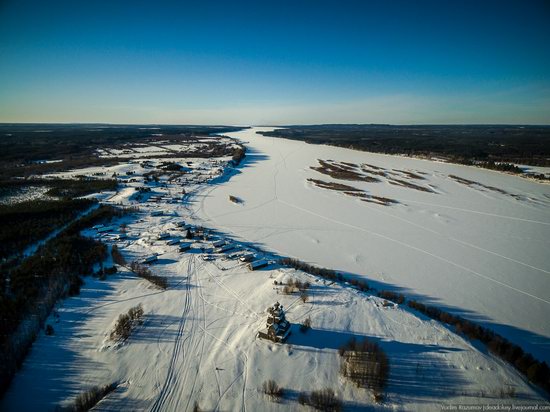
x: 160, y: 329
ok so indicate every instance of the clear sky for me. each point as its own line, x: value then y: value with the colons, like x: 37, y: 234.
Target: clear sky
x: 275, y: 62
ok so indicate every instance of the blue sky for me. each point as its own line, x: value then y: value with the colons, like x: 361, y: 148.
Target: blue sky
x: 284, y: 62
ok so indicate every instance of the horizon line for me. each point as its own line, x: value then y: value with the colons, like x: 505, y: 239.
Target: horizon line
x: 271, y: 125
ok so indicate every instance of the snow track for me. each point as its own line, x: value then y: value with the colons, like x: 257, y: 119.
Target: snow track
x: 172, y: 379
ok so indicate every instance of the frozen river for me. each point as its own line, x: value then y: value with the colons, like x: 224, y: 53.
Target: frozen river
x: 480, y: 250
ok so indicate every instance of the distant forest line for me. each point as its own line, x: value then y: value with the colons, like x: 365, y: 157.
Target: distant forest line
x: 29, y: 149
x: 484, y: 144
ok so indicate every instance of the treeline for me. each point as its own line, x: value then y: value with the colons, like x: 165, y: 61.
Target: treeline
x: 25, y: 223
x: 30, y: 290
x: 70, y: 188
x: 328, y: 274
x: 537, y: 372
x: 501, y: 166
x: 480, y: 143
x: 144, y: 272
x: 61, y: 188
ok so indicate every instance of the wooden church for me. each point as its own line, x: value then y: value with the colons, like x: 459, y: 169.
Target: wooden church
x: 277, y: 328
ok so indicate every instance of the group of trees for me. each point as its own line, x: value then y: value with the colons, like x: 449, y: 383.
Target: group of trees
x: 25, y: 223
x: 170, y: 167
x: 88, y: 399
x: 126, y: 323
x: 30, y: 288
x: 323, y: 400
x: 366, y: 364
x: 144, y: 272
x: 502, y: 166
x: 536, y: 371
x: 294, y: 285
x: 394, y: 297
x: 117, y: 256
x: 238, y: 155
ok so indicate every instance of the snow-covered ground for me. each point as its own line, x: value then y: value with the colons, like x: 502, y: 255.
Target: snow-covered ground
x: 198, y: 342
x: 475, y: 251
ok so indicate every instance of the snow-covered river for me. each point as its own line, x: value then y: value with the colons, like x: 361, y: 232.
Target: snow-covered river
x: 469, y: 248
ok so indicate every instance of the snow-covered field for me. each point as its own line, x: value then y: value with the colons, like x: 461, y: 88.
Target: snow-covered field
x: 465, y: 246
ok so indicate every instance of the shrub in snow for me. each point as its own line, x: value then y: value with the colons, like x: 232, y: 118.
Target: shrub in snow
x: 306, y: 325
x: 87, y: 400
x: 271, y: 389
x: 325, y: 400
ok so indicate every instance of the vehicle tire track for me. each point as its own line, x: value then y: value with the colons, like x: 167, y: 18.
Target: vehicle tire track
x: 179, y: 343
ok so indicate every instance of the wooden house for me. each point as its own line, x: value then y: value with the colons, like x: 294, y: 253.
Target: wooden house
x: 149, y: 259
x: 185, y: 246
x: 257, y: 264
